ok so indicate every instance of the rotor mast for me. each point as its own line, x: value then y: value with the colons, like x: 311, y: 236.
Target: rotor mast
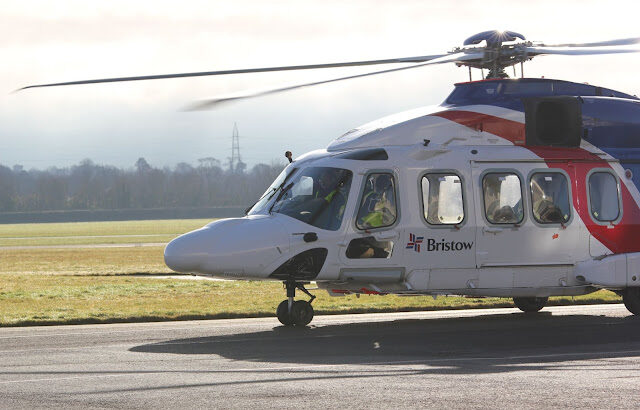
x: 496, y: 56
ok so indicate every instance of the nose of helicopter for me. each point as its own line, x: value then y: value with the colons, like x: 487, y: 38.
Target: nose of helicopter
x: 229, y: 247
x: 184, y: 252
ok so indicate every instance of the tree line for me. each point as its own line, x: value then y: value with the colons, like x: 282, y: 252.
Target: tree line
x: 93, y: 186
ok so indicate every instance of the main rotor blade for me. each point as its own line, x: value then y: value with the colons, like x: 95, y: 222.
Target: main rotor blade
x: 577, y: 51
x: 212, y: 103
x: 242, y: 71
x: 618, y: 42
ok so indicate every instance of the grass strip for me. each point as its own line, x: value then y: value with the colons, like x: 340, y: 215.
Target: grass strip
x: 35, y: 299
x: 83, y: 261
x: 69, y: 233
x: 162, y: 226
x: 86, y: 240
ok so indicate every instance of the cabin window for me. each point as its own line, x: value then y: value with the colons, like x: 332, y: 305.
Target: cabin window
x: 369, y: 247
x: 442, y: 199
x: 604, y: 196
x: 502, y: 198
x: 550, y: 198
x: 378, y: 204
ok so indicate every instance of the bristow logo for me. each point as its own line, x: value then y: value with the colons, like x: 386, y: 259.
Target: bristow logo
x: 414, y: 242
x: 438, y: 246
x: 444, y: 246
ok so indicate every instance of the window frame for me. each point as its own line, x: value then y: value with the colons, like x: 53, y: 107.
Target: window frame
x: 365, y: 177
x: 522, y: 195
x: 462, y: 192
x: 569, y: 192
x: 619, y: 187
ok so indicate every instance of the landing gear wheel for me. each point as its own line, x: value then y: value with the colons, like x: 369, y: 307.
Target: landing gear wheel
x: 530, y: 304
x: 301, y: 313
x: 283, y: 313
x: 631, y: 299
x: 291, y: 312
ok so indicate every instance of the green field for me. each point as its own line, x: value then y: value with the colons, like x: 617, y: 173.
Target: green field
x: 89, y: 233
x: 83, y: 261
x: 54, y: 285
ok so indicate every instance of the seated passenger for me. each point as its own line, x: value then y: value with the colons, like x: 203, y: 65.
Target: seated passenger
x: 505, y: 214
x: 369, y: 247
x: 548, y: 212
x: 495, y: 213
x: 378, y: 207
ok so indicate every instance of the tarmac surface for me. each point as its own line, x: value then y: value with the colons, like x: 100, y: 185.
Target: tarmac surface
x: 563, y: 357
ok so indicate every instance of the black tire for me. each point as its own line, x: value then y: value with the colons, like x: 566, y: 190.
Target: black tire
x: 530, y: 304
x: 283, y: 313
x: 301, y: 313
x: 631, y: 299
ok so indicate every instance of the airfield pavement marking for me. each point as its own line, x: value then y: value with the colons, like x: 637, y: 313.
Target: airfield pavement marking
x: 318, y: 320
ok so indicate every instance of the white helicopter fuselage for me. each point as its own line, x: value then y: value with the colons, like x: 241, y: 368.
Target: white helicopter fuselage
x: 513, y: 187
x: 459, y: 249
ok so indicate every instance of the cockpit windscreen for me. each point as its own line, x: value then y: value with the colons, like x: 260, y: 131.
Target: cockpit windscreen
x: 315, y: 195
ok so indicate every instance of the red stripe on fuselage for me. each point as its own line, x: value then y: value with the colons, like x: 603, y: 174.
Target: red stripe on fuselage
x: 510, y: 130
x: 577, y: 162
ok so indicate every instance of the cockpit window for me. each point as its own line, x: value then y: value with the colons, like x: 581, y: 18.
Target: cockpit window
x: 315, y: 195
x: 260, y: 207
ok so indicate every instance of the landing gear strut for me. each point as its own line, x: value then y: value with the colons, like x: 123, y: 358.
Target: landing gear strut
x: 295, y: 312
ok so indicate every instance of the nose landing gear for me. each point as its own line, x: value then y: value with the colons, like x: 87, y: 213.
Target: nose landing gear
x: 295, y: 312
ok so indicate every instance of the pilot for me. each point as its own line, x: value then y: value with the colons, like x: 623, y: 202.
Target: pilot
x: 330, y: 198
x: 378, y: 206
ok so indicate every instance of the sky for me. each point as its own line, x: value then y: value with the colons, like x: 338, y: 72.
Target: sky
x: 115, y: 124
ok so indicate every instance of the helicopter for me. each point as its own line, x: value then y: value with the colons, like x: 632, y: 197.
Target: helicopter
x: 512, y: 187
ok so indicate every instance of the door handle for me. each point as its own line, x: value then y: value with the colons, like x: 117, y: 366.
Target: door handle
x: 494, y: 231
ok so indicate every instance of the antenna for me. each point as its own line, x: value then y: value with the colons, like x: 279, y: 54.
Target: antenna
x: 236, y: 164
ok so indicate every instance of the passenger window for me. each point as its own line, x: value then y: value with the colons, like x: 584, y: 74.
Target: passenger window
x: 442, y: 199
x: 369, y: 247
x: 550, y: 197
x: 378, y: 203
x: 502, y: 198
x: 603, y: 195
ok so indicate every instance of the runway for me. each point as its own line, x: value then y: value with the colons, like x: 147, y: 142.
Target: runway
x: 575, y: 356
